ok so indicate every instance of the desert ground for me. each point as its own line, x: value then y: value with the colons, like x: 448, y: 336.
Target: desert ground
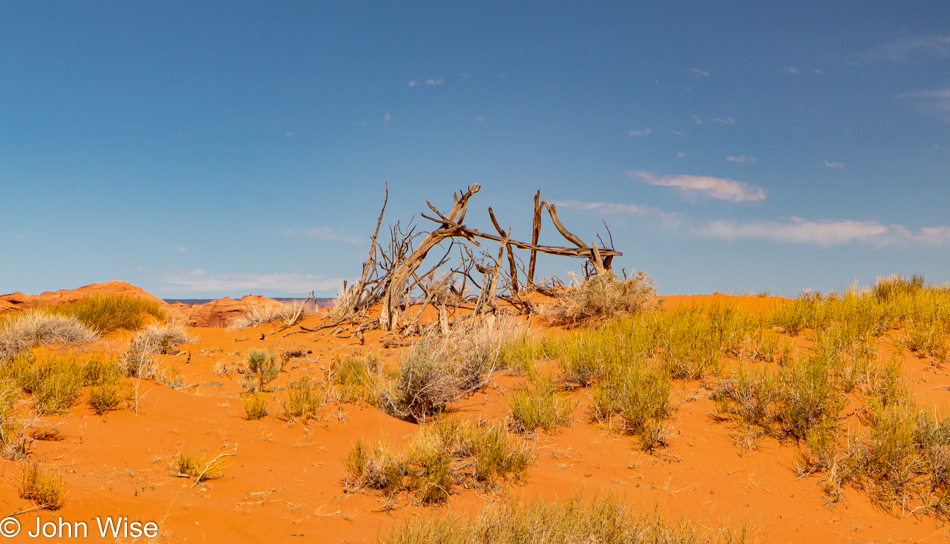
x: 285, y: 477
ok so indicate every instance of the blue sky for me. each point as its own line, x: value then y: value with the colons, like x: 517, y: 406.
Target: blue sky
x: 203, y: 149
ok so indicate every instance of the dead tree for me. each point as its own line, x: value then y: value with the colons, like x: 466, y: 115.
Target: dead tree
x: 390, y: 275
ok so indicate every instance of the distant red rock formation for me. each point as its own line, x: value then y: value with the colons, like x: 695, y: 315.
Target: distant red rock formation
x: 217, y: 313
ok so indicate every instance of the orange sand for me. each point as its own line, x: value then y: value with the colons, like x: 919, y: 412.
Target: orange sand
x: 285, y: 483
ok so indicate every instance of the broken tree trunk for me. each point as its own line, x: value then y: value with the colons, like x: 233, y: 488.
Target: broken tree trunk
x: 599, y: 265
x: 395, y: 289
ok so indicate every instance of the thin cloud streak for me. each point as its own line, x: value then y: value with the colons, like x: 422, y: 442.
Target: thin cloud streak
x: 741, y: 159
x: 908, y: 49
x: 198, y: 281
x: 826, y: 233
x: 720, y: 188
x: 834, y: 164
x: 643, y: 132
x: 326, y: 233
x: 671, y: 220
x: 935, y: 99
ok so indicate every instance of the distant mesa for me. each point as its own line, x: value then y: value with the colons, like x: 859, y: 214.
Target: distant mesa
x: 208, y: 313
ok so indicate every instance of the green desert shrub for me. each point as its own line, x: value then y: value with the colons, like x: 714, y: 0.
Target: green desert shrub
x: 352, y: 379
x: 302, y: 399
x: 105, y: 397
x: 638, y: 399
x: 604, y: 520
x: 442, y: 455
x: 42, y: 486
x: 544, y: 406
x: 108, y: 313
x: 787, y: 402
x: 262, y: 368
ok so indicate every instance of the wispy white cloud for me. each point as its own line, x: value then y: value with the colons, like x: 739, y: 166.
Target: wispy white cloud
x: 413, y: 83
x: 182, y: 249
x: 826, y: 232
x: 671, y: 220
x: 643, y: 132
x: 721, y: 188
x: 699, y: 73
x: 198, y: 281
x: 325, y: 233
x: 818, y: 72
x: 678, y: 133
x: 741, y: 158
x: 726, y: 120
x: 680, y: 154
x: 791, y: 70
x: 698, y: 119
x: 834, y: 164
x: 909, y: 49
x: 288, y: 133
x: 936, y: 100
x: 797, y: 230
x: 387, y: 117
x: 480, y: 119
x: 434, y: 81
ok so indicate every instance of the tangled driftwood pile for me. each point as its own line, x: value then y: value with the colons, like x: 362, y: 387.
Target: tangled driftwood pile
x: 391, y: 274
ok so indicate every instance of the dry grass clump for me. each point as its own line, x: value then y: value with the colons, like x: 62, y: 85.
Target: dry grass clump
x: 43, y: 487
x: 791, y: 402
x: 287, y: 313
x: 201, y: 468
x: 602, y: 297
x: 155, y: 338
x: 13, y: 443
x: 545, y: 406
x: 21, y: 331
x: 604, y: 520
x: 638, y: 399
x: 354, y: 379
x: 442, y: 455
x: 108, y: 313
x: 440, y: 369
x: 302, y: 399
x: 255, y: 406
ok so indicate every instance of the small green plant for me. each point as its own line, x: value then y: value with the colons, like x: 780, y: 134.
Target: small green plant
x: 255, y: 405
x: 302, y: 399
x: 544, y: 406
x: 43, y: 487
x: 442, y: 455
x: 263, y: 368
x: 105, y: 397
x: 201, y: 468
x: 354, y: 379
x: 54, y: 382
